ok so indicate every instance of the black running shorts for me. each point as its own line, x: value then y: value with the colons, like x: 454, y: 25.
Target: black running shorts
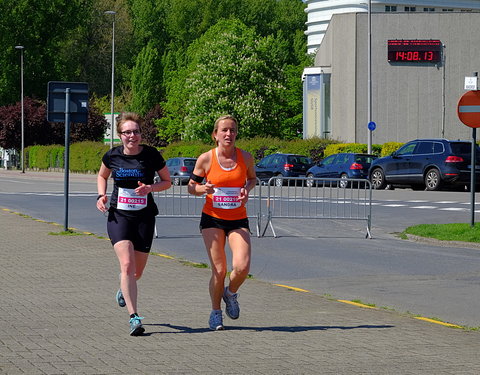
x: 208, y: 221
x: 138, y: 229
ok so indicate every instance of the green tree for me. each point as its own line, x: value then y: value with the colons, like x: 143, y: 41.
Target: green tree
x: 64, y: 41
x: 231, y: 70
x: 146, y: 80
x: 44, y: 28
x: 90, y: 47
x: 148, y: 21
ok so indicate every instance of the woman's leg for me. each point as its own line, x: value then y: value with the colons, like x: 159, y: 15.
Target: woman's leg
x: 146, y: 229
x: 127, y: 258
x: 214, y: 239
x: 140, y: 263
x: 239, y: 241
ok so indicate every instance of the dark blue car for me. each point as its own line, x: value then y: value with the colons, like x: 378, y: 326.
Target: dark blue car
x: 425, y: 164
x: 343, y: 165
x: 282, y: 165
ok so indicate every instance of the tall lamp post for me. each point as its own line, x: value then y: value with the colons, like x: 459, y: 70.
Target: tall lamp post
x: 369, y: 63
x: 112, y: 105
x: 21, y: 48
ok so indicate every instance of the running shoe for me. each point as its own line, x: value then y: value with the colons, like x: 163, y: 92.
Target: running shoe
x: 216, y: 320
x: 232, y: 309
x: 136, y: 328
x: 120, y: 299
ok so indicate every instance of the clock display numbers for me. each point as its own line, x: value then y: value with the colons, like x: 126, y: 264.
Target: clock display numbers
x: 415, y: 50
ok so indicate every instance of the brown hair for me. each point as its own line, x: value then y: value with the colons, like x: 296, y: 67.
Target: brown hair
x: 128, y: 116
x: 225, y: 117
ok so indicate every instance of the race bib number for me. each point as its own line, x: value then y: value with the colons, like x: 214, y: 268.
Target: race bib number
x: 128, y: 200
x: 226, y: 198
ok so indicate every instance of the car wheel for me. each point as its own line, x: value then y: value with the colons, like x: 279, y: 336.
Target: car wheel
x: 176, y: 181
x: 278, y: 180
x: 432, y: 179
x: 310, y: 182
x: 343, y: 184
x: 377, y: 178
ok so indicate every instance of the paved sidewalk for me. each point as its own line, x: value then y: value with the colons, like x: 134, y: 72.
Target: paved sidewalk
x: 59, y: 316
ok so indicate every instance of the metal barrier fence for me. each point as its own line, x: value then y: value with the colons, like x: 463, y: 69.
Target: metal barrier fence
x: 325, y: 198
x: 282, y: 198
x: 176, y: 202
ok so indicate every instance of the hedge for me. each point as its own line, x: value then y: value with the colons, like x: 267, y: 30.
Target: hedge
x: 389, y: 147
x: 86, y: 157
x: 44, y: 157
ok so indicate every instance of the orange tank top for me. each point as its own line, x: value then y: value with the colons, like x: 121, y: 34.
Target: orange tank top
x: 224, y: 203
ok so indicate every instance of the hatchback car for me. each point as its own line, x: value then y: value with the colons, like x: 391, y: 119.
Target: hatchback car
x: 425, y: 164
x: 180, y: 168
x: 282, y: 165
x: 343, y: 165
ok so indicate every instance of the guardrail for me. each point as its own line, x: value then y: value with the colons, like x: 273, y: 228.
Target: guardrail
x: 288, y: 198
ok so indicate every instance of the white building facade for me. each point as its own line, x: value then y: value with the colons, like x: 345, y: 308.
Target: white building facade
x: 320, y: 12
x: 410, y: 97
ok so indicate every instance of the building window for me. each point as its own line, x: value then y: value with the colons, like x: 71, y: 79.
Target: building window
x: 447, y: 10
x: 390, y: 8
x: 410, y: 9
x: 429, y: 9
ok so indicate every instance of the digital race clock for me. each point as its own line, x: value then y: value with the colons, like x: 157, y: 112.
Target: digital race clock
x: 415, y: 50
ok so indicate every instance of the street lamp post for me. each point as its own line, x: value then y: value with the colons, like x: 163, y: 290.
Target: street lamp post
x: 112, y: 105
x: 369, y: 78
x: 21, y: 48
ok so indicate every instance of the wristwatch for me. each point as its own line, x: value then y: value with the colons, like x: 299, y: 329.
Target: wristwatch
x: 100, y: 196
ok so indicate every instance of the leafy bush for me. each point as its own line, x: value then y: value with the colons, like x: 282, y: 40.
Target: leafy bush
x: 313, y: 148
x: 376, y: 149
x: 150, y: 130
x: 345, y: 147
x: 86, y: 156
x: 191, y: 149
x: 44, y: 157
x: 260, y: 147
x: 389, y: 147
x: 351, y: 147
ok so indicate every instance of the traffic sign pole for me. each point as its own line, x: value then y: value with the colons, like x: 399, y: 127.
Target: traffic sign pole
x: 473, y: 172
x: 468, y: 112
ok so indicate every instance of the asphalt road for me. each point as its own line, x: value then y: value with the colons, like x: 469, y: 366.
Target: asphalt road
x: 322, y: 256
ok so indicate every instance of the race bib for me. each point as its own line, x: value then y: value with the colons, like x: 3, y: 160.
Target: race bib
x: 128, y: 200
x: 226, y: 198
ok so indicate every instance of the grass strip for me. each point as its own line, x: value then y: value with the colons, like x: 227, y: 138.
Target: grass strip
x: 447, y: 232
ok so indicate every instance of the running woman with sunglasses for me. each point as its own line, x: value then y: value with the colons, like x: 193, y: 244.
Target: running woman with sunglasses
x: 132, y: 211
x: 230, y: 175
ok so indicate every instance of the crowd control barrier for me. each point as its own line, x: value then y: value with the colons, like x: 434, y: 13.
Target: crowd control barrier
x: 282, y: 198
x: 176, y: 202
x: 325, y: 198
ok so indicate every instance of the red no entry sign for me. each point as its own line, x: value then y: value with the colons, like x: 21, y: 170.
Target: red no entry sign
x: 468, y: 109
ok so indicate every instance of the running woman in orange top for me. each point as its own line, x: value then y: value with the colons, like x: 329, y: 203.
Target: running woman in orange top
x: 229, y: 175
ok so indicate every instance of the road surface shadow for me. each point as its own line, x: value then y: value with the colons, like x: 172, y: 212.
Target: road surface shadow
x: 291, y: 329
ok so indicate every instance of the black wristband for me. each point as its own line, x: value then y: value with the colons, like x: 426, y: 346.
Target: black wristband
x: 100, y: 196
x: 196, y: 178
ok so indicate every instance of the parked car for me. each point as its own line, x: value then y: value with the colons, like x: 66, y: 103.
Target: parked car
x: 180, y: 169
x: 425, y: 164
x: 343, y: 165
x: 282, y: 165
